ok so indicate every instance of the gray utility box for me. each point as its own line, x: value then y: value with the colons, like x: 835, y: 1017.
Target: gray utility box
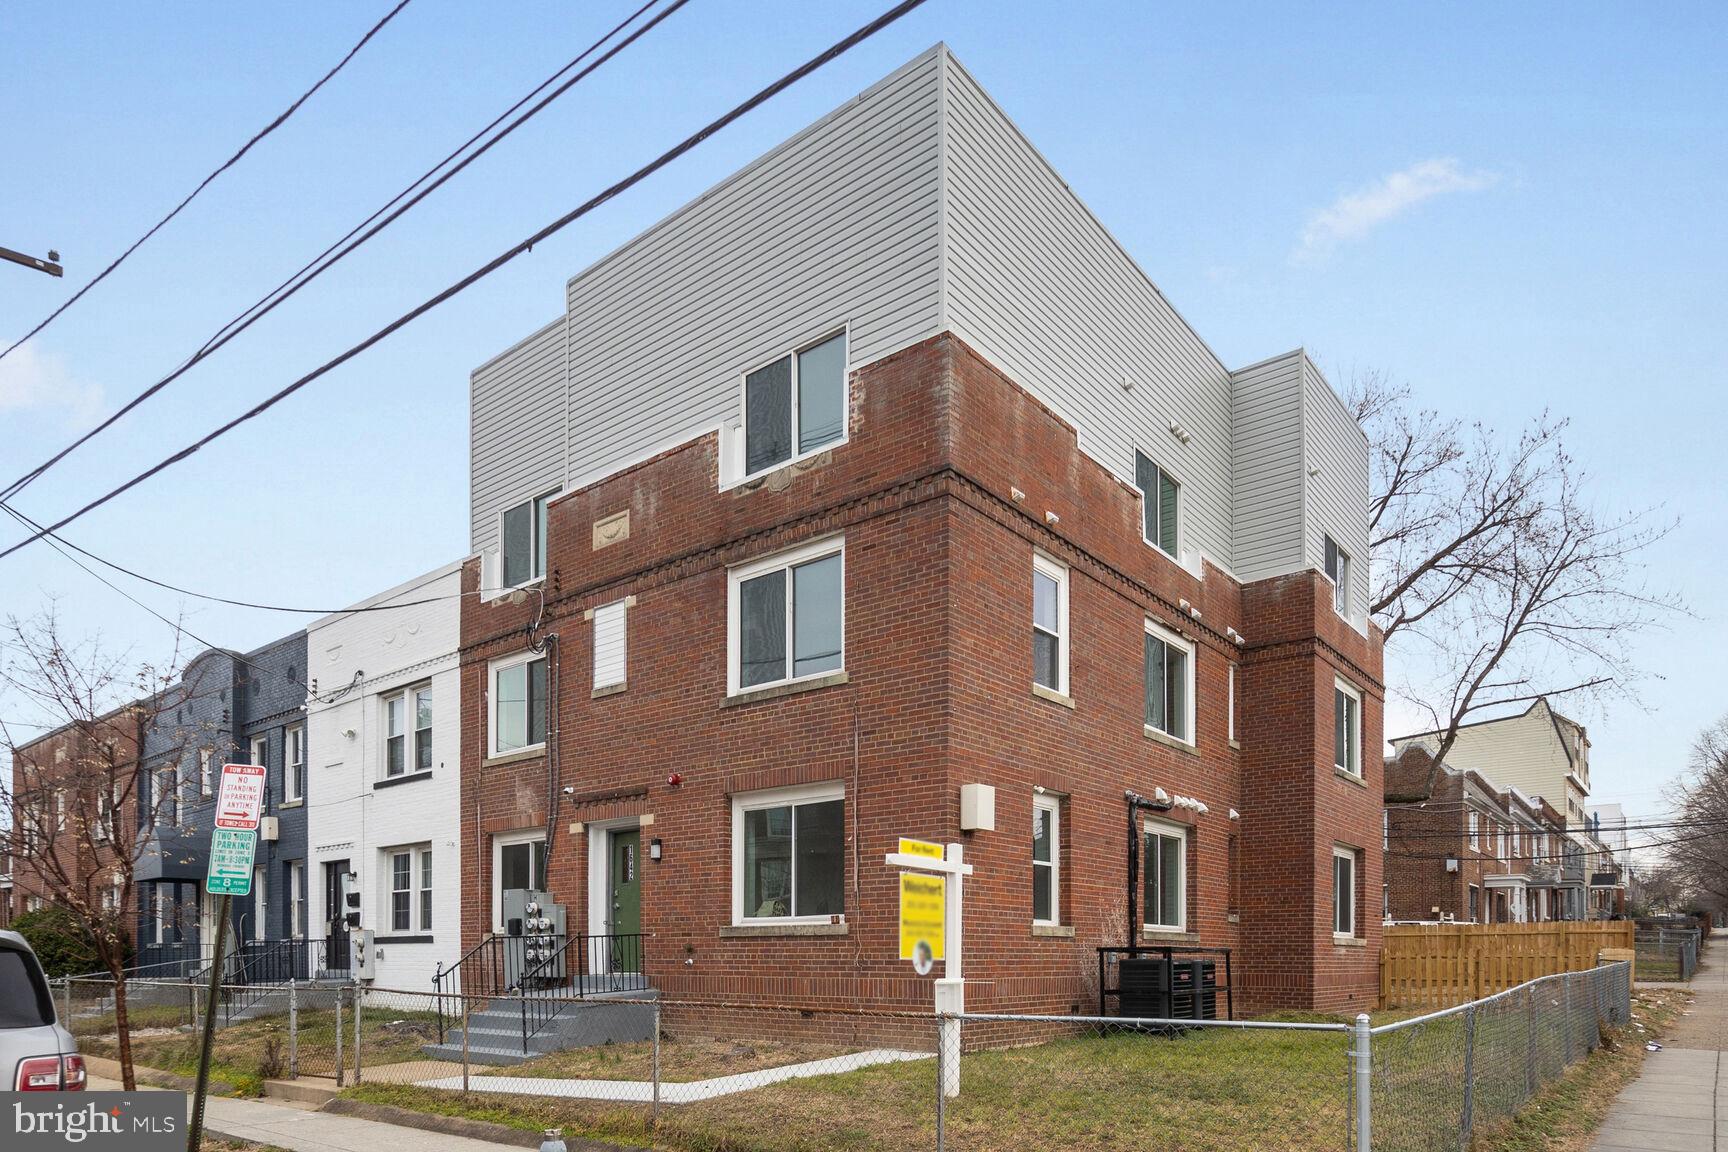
x: 533, y: 938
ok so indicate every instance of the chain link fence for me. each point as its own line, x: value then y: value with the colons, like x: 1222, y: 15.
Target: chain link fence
x: 1667, y: 953
x: 1437, y: 1079
x: 783, y: 1078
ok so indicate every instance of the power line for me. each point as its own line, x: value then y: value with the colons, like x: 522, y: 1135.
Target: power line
x: 497, y: 262
x: 281, y: 118
x: 324, y: 261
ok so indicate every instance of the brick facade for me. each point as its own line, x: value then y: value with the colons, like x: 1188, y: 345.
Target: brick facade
x: 950, y: 479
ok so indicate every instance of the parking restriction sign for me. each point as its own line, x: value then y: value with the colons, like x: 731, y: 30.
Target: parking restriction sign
x: 240, y: 799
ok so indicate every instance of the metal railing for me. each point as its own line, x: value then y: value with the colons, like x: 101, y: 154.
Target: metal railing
x: 537, y: 975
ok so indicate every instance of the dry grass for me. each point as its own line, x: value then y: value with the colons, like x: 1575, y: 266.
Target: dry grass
x: 681, y: 1059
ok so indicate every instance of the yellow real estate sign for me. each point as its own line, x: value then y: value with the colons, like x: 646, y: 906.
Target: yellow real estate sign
x: 923, y: 904
x: 920, y: 848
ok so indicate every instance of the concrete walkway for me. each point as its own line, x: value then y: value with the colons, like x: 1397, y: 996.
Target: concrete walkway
x: 299, y: 1129
x: 1679, y: 1103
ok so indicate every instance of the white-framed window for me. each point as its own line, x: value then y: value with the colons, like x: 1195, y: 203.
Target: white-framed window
x: 104, y: 817
x: 1164, y: 873
x: 795, y: 405
x: 1231, y: 681
x: 1385, y: 830
x: 260, y: 901
x: 1338, y: 571
x: 206, y: 780
x: 522, y: 540
x: 1343, y: 891
x: 1346, y: 728
x: 1160, y: 501
x: 408, y: 731
x: 294, y: 762
x: 257, y: 750
x: 1475, y: 904
x: 1049, y: 624
x: 611, y: 644
x: 786, y: 616
x: 60, y: 810
x: 408, y: 872
x: 517, y: 717
x: 789, y: 855
x: 1475, y: 832
x: 518, y: 861
x: 1169, y: 683
x: 297, y: 899
x: 1046, y: 860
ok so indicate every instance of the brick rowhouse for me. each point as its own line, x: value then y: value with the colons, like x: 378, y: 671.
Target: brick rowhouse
x: 950, y: 479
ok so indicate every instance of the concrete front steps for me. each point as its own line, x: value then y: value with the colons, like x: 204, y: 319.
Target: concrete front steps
x: 495, y: 1032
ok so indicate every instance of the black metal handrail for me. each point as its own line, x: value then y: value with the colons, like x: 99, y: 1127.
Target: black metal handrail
x: 549, y: 985
x: 1168, y: 953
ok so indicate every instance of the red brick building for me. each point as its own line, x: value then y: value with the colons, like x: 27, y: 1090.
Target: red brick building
x: 822, y: 526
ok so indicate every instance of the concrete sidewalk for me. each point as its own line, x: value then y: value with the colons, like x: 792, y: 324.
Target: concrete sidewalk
x: 1679, y: 1103
x: 300, y: 1129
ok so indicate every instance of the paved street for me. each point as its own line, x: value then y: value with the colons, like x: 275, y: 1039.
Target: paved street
x: 1680, y: 1102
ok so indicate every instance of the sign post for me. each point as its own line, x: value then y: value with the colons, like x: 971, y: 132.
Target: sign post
x: 233, y: 844
x: 930, y: 915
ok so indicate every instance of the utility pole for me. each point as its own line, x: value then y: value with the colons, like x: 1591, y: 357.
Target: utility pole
x: 50, y: 265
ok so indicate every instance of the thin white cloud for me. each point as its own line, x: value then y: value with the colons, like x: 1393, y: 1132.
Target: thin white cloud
x: 34, y: 381
x: 1351, y: 217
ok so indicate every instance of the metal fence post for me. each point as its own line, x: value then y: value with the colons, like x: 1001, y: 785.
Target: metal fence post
x: 293, y: 1030
x: 1466, y: 1119
x: 465, y: 1003
x: 66, y: 1021
x: 1531, y: 1076
x: 654, y: 1105
x: 1566, y: 1012
x: 1364, y: 1086
x: 357, y: 999
x: 338, y: 1036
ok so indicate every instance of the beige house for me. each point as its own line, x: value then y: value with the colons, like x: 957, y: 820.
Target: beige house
x: 1539, y: 752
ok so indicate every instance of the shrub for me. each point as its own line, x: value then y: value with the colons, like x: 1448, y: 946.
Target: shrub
x: 62, y: 943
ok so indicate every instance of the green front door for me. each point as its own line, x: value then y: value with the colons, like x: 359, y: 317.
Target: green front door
x: 626, y: 900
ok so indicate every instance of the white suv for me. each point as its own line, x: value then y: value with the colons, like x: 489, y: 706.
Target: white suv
x: 36, y: 1053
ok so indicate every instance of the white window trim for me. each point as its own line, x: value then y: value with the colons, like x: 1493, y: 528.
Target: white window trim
x: 296, y: 897
x: 777, y: 798
x: 1354, y: 734
x: 742, y: 449
x: 735, y: 578
x: 1232, y: 706
x: 1475, y: 825
x: 1168, y: 637
x: 1340, y: 852
x: 550, y: 495
x: 1051, y: 806
x: 500, y: 841
x: 416, y: 886
x: 1181, y: 520
x: 260, y: 900
x: 1179, y: 831
x: 206, y: 777
x: 289, y: 791
x: 1057, y: 571
x: 410, y: 762
x: 496, y: 666
x: 258, y: 750
x: 1340, y: 589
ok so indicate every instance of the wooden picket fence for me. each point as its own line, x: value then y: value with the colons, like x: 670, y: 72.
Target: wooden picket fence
x: 1432, y: 966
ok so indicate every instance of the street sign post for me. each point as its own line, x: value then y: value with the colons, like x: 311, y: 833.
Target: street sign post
x: 942, y: 922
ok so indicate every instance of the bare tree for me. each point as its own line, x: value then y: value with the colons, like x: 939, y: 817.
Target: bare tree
x: 78, y: 806
x: 1491, y: 568
x: 1698, y: 853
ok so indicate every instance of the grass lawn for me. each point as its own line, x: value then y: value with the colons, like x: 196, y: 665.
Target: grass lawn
x: 1213, y: 1090
x: 681, y: 1059
x: 138, y: 1016
x: 239, y: 1051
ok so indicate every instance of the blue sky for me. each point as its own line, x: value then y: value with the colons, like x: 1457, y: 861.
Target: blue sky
x: 1511, y: 207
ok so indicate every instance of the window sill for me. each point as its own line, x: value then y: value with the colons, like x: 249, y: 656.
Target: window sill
x: 1054, y: 931
x: 405, y: 778
x: 1052, y: 695
x: 802, y: 462
x: 1341, y: 941
x: 515, y: 757
x: 747, y: 931
x: 503, y: 594
x: 608, y: 690
x: 1167, y: 936
x: 294, y: 803
x: 1169, y: 741
x: 421, y: 938
x: 1353, y: 777
x: 792, y: 688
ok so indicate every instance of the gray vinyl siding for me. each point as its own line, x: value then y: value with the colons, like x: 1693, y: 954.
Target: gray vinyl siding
x: 1269, y: 467
x: 836, y: 227
x: 1038, y: 286
x: 1338, y: 491
x: 516, y: 428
